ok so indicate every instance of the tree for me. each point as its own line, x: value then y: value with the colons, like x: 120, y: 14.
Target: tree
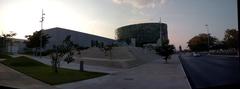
x: 68, y: 49
x: 63, y: 51
x: 200, y: 42
x: 34, y: 40
x: 180, y: 48
x: 9, y: 39
x: 55, y: 56
x: 106, y: 49
x: 219, y: 45
x: 231, y: 38
x: 96, y: 43
x: 165, y: 50
x: 101, y: 45
x: 6, y: 39
x: 2, y: 44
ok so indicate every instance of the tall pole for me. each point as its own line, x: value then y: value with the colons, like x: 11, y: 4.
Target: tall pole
x: 42, y: 19
x: 2, y: 48
x: 208, y: 37
x: 160, y: 33
x: 238, y: 33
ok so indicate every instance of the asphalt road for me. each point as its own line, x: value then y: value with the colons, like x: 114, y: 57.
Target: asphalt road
x: 212, y: 71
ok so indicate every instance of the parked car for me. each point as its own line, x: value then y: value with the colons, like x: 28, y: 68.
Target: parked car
x: 195, y: 54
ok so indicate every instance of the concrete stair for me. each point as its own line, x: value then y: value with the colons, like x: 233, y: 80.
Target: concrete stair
x: 122, y: 57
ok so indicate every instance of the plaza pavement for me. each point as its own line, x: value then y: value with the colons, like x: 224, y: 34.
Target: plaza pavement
x: 153, y: 75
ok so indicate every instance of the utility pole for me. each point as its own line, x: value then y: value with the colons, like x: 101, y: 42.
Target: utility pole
x: 42, y: 19
x: 161, y: 30
x: 208, y: 37
x: 160, y: 40
x: 238, y: 34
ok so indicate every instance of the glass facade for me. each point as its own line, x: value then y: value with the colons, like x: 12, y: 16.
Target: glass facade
x: 143, y: 33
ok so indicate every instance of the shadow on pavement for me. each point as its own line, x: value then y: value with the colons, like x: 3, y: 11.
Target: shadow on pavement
x: 232, y: 86
x: 4, y: 87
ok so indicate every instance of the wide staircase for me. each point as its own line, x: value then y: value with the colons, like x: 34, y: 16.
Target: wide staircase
x: 121, y: 57
x: 142, y: 55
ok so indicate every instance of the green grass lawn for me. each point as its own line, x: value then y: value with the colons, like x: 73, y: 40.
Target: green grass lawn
x: 5, y: 56
x: 45, y: 73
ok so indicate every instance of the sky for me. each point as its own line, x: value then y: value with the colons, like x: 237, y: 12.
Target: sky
x: 185, y: 18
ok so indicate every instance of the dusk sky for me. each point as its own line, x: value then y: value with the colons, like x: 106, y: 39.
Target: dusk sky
x: 185, y: 18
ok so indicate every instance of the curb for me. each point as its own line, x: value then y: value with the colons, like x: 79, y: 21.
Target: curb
x: 190, y: 81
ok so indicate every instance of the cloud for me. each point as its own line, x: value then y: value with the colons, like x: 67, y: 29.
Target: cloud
x: 141, y: 3
x: 138, y: 20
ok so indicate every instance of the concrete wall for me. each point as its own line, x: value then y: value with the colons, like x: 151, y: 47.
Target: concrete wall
x: 82, y: 39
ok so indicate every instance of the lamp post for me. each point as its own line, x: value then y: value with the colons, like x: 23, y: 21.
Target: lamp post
x: 160, y: 40
x: 208, y: 37
x: 238, y: 34
x: 42, y: 19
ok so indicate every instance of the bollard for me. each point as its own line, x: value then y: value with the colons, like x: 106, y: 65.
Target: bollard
x: 81, y: 66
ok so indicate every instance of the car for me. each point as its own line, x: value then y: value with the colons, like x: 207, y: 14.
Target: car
x: 195, y: 54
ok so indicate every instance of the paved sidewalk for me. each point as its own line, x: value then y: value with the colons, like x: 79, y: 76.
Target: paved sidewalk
x: 153, y: 75
x: 73, y: 65
x: 14, y: 79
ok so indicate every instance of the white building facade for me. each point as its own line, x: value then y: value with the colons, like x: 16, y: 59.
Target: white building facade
x: 82, y: 39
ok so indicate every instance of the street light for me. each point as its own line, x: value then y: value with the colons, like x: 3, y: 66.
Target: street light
x: 208, y: 37
x: 160, y: 40
x: 42, y: 19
